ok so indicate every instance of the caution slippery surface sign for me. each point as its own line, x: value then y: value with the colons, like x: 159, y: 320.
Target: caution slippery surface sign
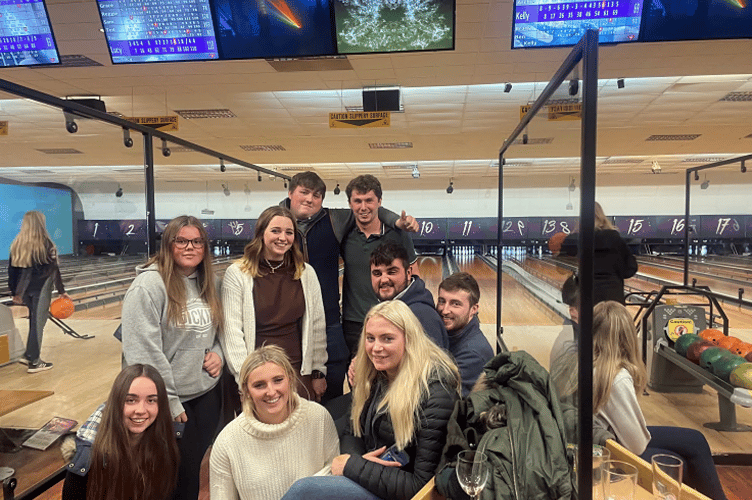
x: 162, y: 123
x: 360, y: 120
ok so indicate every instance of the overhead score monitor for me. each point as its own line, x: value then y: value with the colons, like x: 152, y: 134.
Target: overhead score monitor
x: 26, y: 38
x: 560, y: 23
x: 672, y: 20
x: 394, y: 26
x: 158, y: 30
x: 273, y: 28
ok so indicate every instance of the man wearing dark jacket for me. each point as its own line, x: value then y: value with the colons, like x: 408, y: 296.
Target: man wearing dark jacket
x: 392, y: 278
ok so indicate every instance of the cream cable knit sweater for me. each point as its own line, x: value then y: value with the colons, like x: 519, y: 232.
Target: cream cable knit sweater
x: 239, y: 336
x: 252, y: 460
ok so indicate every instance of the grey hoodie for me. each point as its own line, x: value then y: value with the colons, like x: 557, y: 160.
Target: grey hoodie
x: 177, y: 352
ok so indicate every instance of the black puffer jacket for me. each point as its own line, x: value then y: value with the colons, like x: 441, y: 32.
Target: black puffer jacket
x: 424, y: 450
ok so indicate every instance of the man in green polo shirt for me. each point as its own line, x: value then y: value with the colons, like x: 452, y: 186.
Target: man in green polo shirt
x: 364, y: 196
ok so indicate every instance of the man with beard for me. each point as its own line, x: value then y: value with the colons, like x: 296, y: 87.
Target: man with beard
x: 458, y: 306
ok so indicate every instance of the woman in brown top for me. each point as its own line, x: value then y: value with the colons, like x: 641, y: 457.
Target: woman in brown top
x: 271, y: 296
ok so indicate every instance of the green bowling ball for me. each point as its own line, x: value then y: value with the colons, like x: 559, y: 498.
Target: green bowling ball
x: 741, y: 376
x: 708, y: 356
x: 723, y: 366
x: 684, y: 341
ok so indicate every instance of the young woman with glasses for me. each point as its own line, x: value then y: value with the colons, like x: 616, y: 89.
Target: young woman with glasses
x: 171, y: 317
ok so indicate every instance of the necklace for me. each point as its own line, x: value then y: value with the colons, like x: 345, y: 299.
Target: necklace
x: 273, y: 268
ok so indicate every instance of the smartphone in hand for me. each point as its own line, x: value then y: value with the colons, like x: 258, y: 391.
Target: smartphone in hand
x: 392, y: 454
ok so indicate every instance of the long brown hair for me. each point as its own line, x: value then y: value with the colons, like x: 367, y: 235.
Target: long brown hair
x: 33, y: 244
x: 601, y: 221
x: 254, y: 251
x: 173, y: 280
x: 147, y: 470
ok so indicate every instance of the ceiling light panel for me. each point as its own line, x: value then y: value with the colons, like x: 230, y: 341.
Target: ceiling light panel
x: 199, y: 114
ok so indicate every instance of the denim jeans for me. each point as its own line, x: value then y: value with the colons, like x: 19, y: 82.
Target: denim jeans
x: 329, y: 487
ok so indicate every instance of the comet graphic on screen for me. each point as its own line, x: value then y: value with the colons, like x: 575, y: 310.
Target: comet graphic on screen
x: 283, y: 13
x: 742, y: 4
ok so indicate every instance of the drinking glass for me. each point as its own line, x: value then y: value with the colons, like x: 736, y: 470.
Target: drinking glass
x: 667, y: 477
x: 472, y: 472
x: 619, y: 480
x: 601, y: 455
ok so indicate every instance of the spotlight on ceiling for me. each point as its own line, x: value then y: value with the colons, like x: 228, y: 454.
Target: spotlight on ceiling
x: 127, y: 141
x: 450, y: 188
x: 574, y: 86
x: 705, y: 184
x: 744, y: 167
x: 285, y: 183
x: 620, y: 83
x: 222, y: 167
x: 119, y: 192
x: 570, y: 206
x: 572, y: 186
x: 165, y: 150
x: 70, y: 122
x: 416, y: 172
x: 259, y: 177
x: 655, y: 168
x: 337, y: 190
x: 226, y: 189
x: 524, y: 138
x: 507, y: 88
x: 697, y: 176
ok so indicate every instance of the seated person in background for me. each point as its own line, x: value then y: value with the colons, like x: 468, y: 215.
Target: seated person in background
x: 127, y: 448
x: 458, y: 306
x: 406, y: 388
x: 278, y: 438
x: 570, y: 295
x: 619, y: 375
x: 392, y: 278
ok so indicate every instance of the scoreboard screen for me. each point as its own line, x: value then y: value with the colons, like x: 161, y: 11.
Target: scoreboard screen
x: 26, y: 37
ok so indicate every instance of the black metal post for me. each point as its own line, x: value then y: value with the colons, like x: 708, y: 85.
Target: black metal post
x: 499, y: 252
x: 151, y: 220
x: 687, y: 180
x: 587, y: 231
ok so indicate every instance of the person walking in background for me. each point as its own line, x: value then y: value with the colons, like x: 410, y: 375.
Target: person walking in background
x: 613, y: 262
x: 270, y: 295
x: 171, y: 317
x: 32, y: 268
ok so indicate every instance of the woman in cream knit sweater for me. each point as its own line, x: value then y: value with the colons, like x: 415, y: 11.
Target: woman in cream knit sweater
x: 278, y: 439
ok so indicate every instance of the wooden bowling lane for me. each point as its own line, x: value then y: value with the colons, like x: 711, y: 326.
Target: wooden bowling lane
x: 518, y: 305
x: 430, y: 270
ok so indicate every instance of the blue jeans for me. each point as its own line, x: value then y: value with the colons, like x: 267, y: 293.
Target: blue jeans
x: 38, y: 303
x: 329, y: 487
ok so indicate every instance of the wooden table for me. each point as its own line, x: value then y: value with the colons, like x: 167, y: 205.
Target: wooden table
x: 34, y: 467
x: 13, y: 400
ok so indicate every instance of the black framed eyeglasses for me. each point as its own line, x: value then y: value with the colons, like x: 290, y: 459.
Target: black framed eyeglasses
x: 183, y: 243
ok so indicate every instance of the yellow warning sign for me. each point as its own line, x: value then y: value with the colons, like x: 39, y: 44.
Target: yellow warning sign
x: 524, y: 109
x: 161, y: 123
x: 364, y: 119
x: 677, y: 327
x: 558, y: 112
x: 3, y: 128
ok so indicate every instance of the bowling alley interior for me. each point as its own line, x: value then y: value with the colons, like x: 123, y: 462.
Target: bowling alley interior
x: 497, y: 137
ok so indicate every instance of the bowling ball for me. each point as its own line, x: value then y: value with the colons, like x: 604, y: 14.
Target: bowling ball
x: 683, y: 342
x: 748, y: 357
x: 712, y: 334
x: 741, y: 376
x: 728, y: 342
x: 554, y: 244
x: 723, y: 366
x: 696, y: 349
x: 709, y: 355
x: 62, y: 308
x: 741, y: 349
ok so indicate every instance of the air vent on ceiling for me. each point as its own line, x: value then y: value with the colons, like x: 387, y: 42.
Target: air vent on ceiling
x: 511, y: 164
x: 703, y: 159
x: 37, y: 171
x: 565, y: 100
x: 535, y: 141
x: 737, y: 96
x: 399, y: 167
x: 325, y: 63
x: 390, y: 145
x: 622, y: 161
x: 198, y: 114
x: 673, y: 137
x: 60, y: 151
x: 181, y: 150
x: 262, y: 147
x: 76, y: 61
x: 299, y: 168
x: 130, y: 170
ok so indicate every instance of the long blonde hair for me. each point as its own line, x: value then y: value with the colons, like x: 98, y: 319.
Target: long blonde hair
x: 33, y: 244
x: 601, y: 221
x: 172, y: 279
x: 254, y: 251
x: 614, y: 348
x: 267, y: 354
x: 422, y: 362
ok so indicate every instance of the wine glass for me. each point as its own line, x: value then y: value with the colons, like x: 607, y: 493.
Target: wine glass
x: 472, y: 472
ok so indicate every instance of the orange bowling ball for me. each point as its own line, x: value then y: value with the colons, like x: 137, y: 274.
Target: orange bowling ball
x: 728, y: 342
x: 554, y: 244
x: 712, y: 335
x: 62, y: 308
x: 742, y: 349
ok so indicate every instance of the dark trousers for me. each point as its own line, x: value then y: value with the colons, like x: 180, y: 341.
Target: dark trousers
x: 352, y: 331
x: 692, y: 447
x: 338, y: 359
x: 38, y: 302
x: 203, y: 415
